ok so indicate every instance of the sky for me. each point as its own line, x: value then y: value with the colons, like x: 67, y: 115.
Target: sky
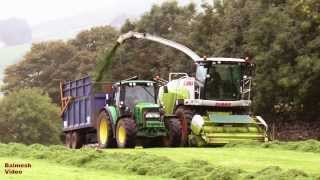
x: 38, y: 11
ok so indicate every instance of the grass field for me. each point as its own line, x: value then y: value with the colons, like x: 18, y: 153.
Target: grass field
x: 250, y: 159
x: 247, y: 162
x: 42, y: 170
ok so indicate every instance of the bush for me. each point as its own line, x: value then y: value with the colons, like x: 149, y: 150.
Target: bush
x: 28, y: 116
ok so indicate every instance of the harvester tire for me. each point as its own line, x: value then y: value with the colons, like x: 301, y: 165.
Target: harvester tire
x: 104, y: 131
x: 185, y: 116
x: 126, y: 133
x: 76, y: 140
x: 68, y: 139
x: 174, y: 135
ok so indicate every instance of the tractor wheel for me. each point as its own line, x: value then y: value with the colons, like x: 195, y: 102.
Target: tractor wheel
x: 68, y: 139
x: 126, y: 133
x: 76, y: 140
x: 174, y: 135
x: 185, y: 116
x: 104, y: 131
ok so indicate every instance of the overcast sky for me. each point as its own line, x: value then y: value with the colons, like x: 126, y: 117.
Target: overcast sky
x: 37, y: 11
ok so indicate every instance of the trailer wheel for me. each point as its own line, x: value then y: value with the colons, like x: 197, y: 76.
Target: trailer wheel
x: 173, y: 138
x: 126, y: 133
x: 104, y: 131
x: 185, y: 116
x: 76, y: 140
x: 68, y: 139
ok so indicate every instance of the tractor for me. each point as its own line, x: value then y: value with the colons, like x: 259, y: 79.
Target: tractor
x: 131, y: 114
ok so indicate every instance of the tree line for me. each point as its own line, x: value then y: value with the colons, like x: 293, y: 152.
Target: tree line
x: 281, y: 37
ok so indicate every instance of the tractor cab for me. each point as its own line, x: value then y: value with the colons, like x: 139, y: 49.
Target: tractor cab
x: 129, y: 93
x: 224, y: 79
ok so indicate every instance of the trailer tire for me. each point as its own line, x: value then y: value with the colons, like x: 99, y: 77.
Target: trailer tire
x: 185, y: 116
x: 104, y: 131
x: 76, y: 140
x: 68, y: 140
x: 126, y: 132
x: 173, y: 138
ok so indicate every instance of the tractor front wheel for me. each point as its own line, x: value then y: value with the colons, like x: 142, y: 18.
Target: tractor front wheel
x: 126, y: 133
x: 104, y: 131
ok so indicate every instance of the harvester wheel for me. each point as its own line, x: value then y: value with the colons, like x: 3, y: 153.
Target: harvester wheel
x: 174, y: 135
x: 68, y: 139
x: 76, y: 140
x: 185, y: 116
x: 104, y: 131
x: 126, y: 133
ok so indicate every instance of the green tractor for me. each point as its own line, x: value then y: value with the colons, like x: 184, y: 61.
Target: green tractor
x: 131, y: 116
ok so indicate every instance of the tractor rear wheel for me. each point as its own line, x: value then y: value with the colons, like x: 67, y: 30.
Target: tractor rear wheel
x: 185, y: 116
x: 76, y: 140
x: 126, y: 133
x: 173, y: 138
x: 104, y: 131
x: 68, y: 139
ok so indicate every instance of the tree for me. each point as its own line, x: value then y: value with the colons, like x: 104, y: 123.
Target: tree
x: 28, y: 116
x: 48, y: 63
x: 147, y: 59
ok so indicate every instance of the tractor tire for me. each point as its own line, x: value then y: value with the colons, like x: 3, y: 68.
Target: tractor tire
x: 104, y: 131
x: 68, y: 139
x: 184, y: 115
x: 126, y: 133
x: 76, y: 140
x: 173, y: 138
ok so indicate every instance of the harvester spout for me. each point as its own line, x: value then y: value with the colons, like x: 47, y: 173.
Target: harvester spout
x: 131, y: 34
x: 136, y: 35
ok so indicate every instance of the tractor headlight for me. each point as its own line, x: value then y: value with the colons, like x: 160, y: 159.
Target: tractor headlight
x: 153, y: 115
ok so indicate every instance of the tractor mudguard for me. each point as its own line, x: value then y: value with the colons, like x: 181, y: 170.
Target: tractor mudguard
x: 113, y: 115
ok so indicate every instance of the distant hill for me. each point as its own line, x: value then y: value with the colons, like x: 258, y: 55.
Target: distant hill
x: 67, y: 28
x: 11, y: 55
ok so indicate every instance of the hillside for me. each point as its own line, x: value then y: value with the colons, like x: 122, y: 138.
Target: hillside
x: 11, y: 55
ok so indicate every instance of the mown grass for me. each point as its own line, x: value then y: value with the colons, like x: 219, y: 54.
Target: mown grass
x: 43, y: 170
x: 146, y: 162
x: 248, y: 159
x: 305, y: 146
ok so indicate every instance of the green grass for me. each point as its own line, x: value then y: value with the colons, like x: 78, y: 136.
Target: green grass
x: 179, y: 163
x: 250, y: 159
x: 51, y: 171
